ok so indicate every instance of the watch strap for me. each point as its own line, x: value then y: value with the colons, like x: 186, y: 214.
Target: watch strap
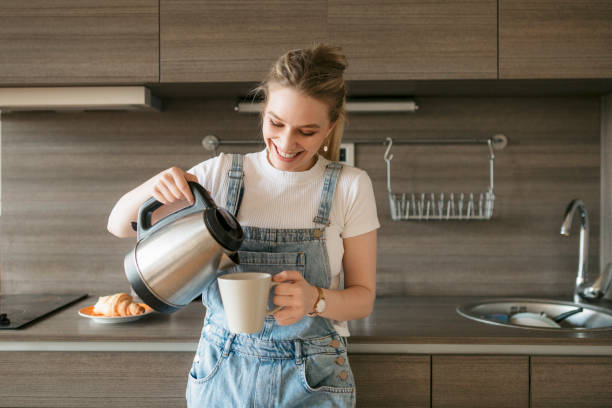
x: 321, y: 296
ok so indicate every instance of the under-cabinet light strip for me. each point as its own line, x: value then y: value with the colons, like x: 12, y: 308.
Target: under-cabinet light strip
x: 356, y: 106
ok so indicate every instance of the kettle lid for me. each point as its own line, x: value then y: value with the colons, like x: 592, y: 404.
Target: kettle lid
x: 224, y: 227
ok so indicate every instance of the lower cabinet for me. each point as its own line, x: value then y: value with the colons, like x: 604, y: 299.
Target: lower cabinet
x: 391, y: 380
x: 93, y: 379
x: 558, y: 382
x: 158, y: 379
x: 439, y: 381
x: 480, y: 381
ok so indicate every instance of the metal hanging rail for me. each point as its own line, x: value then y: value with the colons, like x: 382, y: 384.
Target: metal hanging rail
x: 211, y: 142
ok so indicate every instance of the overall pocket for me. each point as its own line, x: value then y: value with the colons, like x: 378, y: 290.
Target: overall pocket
x: 327, y: 372
x: 206, y: 362
x: 271, y: 262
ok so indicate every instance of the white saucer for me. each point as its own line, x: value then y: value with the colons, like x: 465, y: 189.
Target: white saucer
x: 88, y: 313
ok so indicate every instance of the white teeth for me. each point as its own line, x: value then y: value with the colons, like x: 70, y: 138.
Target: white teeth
x: 285, y: 155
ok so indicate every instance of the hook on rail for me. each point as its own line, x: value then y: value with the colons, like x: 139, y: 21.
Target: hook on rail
x: 388, y: 143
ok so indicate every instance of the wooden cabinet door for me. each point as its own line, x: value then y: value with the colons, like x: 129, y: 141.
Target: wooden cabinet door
x: 415, y: 39
x: 391, y: 380
x: 217, y: 40
x: 555, y: 39
x: 559, y: 382
x: 480, y: 381
x: 94, y: 379
x: 78, y: 42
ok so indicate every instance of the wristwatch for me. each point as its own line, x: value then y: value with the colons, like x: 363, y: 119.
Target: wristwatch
x: 319, y: 306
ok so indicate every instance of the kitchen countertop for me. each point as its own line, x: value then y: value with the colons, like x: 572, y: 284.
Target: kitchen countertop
x: 421, y: 325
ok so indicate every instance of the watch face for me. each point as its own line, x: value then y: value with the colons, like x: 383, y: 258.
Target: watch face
x: 321, y: 306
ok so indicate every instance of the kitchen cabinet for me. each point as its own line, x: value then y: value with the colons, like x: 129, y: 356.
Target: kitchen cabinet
x: 93, y: 379
x: 555, y: 39
x: 185, y: 41
x: 216, y: 40
x: 480, y: 381
x: 78, y: 42
x: 562, y: 381
x: 391, y: 380
x: 212, y: 41
x: 158, y: 379
x: 416, y: 39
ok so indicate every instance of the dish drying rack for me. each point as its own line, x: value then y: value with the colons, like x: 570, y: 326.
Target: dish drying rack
x: 444, y: 206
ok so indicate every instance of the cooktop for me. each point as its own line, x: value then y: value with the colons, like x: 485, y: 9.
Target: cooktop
x: 16, y: 311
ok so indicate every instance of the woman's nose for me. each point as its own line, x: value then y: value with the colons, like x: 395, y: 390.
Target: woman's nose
x: 286, y: 140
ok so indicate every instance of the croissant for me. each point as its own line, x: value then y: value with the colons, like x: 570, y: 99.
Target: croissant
x: 119, y: 304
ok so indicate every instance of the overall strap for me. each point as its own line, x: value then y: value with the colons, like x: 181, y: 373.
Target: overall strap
x: 332, y: 172
x: 235, y: 189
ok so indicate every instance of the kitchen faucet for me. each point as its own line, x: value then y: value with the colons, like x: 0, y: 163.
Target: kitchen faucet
x: 583, y: 289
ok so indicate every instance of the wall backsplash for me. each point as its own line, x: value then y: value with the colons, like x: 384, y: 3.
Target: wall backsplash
x: 63, y: 172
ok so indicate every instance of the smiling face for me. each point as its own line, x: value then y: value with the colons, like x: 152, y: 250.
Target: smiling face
x: 294, y: 128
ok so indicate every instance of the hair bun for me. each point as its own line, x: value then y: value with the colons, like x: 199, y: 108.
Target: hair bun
x: 330, y: 56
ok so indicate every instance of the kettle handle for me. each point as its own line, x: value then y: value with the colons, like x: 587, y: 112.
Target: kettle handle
x: 202, y: 202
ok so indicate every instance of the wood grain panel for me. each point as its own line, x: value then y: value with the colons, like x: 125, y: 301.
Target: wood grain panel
x: 79, y: 42
x: 559, y: 382
x: 62, y: 174
x: 93, y: 379
x: 555, y: 39
x: 480, y: 381
x: 391, y: 380
x: 416, y: 39
x: 552, y: 157
x: 211, y: 41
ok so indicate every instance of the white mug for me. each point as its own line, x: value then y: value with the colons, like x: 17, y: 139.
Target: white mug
x: 245, y: 300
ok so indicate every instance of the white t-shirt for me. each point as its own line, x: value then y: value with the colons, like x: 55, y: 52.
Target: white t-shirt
x: 271, y: 197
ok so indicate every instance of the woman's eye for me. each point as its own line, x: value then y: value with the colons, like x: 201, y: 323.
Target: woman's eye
x: 278, y: 125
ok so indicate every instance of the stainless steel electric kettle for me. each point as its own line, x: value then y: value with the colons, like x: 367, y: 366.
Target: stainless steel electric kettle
x: 175, y: 258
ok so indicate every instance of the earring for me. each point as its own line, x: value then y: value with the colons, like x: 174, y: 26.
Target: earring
x: 325, y: 148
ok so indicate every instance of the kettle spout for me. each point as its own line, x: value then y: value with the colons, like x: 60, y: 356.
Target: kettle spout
x: 228, y: 260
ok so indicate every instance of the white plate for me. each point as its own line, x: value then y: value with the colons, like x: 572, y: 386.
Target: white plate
x: 88, y: 313
x: 534, y: 320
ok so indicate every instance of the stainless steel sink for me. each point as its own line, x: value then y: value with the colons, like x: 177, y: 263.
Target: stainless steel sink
x: 497, y: 312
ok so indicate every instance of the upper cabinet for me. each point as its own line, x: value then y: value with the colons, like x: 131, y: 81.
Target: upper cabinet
x: 555, y: 39
x: 217, y: 40
x: 415, y: 39
x: 173, y: 41
x: 78, y: 42
x: 203, y: 41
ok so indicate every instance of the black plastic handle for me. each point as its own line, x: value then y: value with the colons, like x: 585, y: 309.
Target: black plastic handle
x: 565, y: 315
x: 203, y: 201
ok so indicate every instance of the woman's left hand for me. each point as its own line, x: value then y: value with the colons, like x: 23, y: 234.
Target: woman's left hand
x: 295, y: 295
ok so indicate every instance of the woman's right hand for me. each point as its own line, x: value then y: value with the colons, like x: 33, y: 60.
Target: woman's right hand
x: 171, y: 185
x: 168, y: 187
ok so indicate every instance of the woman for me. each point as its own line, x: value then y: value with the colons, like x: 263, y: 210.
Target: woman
x: 306, y: 218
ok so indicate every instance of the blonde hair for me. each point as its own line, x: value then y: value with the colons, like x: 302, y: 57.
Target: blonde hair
x: 319, y: 73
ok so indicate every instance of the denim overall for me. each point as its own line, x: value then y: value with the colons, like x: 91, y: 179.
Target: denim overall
x: 299, y: 365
